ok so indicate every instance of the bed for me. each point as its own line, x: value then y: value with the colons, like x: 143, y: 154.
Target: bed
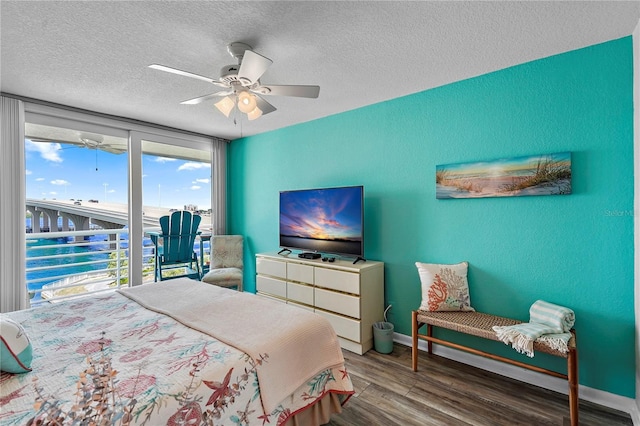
x: 176, y: 352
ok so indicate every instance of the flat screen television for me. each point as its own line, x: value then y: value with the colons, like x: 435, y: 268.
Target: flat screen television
x: 326, y: 220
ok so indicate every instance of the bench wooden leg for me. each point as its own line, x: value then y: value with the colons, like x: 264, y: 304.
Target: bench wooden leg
x: 572, y: 360
x: 414, y: 339
x: 572, y: 373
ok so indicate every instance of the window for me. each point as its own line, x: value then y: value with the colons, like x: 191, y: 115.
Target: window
x: 95, y: 184
x: 76, y: 209
x: 174, y: 178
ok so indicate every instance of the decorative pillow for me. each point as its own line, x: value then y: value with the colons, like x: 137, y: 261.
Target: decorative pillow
x: 15, y: 347
x: 226, y: 251
x: 444, y: 287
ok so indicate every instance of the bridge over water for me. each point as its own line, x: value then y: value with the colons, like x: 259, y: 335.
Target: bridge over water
x: 85, y: 214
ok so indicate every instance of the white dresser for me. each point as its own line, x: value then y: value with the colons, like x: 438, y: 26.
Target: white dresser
x: 350, y: 296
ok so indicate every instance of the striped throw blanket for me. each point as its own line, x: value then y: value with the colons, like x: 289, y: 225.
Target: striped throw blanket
x: 548, y: 323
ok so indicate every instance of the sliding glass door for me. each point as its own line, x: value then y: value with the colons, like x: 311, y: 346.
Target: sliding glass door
x: 175, y: 175
x: 94, y: 186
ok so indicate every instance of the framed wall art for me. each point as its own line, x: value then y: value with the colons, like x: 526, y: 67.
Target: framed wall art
x: 545, y: 174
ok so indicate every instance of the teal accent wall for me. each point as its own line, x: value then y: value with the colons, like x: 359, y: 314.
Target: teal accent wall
x: 574, y: 250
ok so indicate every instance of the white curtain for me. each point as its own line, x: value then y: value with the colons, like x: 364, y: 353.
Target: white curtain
x: 219, y: 187
x: 13, y: 290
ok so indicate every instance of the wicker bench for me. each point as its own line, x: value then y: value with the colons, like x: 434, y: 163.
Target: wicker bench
x: 479, y: 324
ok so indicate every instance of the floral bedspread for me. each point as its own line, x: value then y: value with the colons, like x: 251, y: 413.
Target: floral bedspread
x: 110, y: 360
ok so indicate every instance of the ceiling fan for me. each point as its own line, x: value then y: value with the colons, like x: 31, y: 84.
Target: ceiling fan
x: 84, y: 141
x: 241, y: 84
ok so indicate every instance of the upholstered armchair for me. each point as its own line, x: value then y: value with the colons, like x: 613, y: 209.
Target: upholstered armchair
x: 226, y: 262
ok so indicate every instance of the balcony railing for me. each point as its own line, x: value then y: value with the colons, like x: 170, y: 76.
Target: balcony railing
x: 69, y: 264
x: 63, y: 265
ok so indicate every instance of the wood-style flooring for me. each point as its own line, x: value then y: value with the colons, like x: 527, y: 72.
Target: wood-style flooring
x: 446, y: 392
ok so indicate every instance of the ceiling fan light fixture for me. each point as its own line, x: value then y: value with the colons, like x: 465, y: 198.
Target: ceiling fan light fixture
x: 246, y: 102
x: 256, y: 113
x: 225, y: 105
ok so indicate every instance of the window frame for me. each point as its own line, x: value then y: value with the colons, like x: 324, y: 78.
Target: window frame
x: 135, y: 132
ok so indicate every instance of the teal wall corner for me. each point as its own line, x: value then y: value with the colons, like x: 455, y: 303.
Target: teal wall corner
x: 574, y: 250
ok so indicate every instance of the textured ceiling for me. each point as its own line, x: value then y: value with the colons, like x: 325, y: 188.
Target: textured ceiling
x: 94, y: 54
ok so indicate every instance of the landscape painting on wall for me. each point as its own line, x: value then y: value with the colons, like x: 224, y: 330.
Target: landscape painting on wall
x: 547, y: 174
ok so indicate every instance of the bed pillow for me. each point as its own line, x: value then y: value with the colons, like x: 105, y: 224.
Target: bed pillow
x: 444, y: 287
x: 15, y: 347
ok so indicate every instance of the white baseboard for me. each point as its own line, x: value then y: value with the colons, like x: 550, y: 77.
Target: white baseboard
x: 556, y: 384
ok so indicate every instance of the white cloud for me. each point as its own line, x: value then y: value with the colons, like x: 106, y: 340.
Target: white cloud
x: 39, y: 179
x: 49, y: 151
x: 111, y: 191
x: 53, y: 193
x: 59, y: 182
x: 28, y: 172
x: 194, y: 187
x: 201, y: 181
x: 193, y: 166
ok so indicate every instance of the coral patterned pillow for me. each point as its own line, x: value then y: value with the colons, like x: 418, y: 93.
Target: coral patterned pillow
x: 444, y: 287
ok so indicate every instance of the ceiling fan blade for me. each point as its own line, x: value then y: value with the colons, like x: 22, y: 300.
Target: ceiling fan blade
x: 113, y: 150
x: 183, y: 73
x: 297, y: 91
x: 252, y: 67
x: 264, y: 106
x: 200, y: 99
x: 42, y: 140
x: 59, y: 141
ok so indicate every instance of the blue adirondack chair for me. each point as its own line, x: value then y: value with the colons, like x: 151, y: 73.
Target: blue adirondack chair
x: 174, y: 245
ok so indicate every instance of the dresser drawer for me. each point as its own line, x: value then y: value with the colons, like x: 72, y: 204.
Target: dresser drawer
x: 337, y: 302
x: 337, y: 280
x: 344, y: 327
x: 271, y: 267
x: 270, y: 297
x: 271, y: 286
x: 300, y: 293
x: 300, y: 273
x: 305, y: 307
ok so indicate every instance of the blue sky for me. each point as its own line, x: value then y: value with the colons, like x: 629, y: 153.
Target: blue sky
x: 65, y: 171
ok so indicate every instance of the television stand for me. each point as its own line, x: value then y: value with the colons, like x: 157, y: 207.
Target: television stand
x: 285, y: 250
x: 359, y: 258
x: 350, y: 297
